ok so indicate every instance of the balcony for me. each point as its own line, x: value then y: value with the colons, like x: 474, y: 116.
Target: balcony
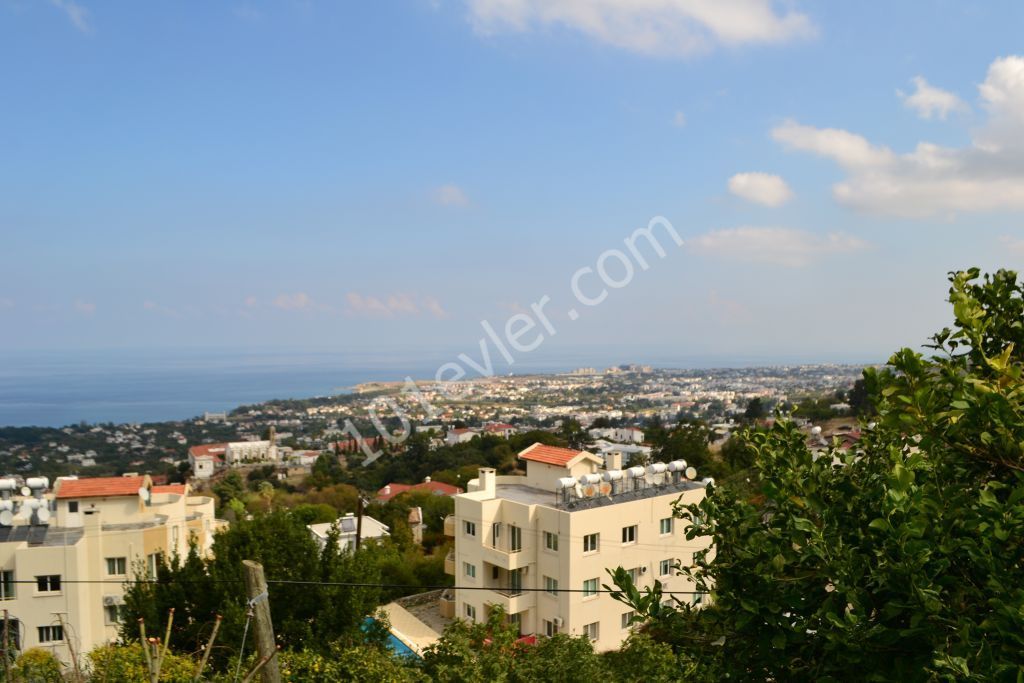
x: 449, y: 526
x: 449, y: 563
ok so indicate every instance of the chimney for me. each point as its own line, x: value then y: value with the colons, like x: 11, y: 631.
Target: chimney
x: 387, y: 490
x: 487, y: 481
x: 426, y: 480
x: 613, y: 461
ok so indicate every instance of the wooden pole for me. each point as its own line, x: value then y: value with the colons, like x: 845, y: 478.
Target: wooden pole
x: 7, y: 649
x: 71, y: 650
x: 206, y: 652
x: 256, y: 585
x: 359, y: 521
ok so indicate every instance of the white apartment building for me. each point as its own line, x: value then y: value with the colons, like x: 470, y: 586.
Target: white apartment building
x: 521, y: 541
x: 65, y: 555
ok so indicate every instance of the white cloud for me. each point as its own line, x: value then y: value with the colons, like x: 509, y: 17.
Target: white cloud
x: 298, y: 301
x: 929, y: 101
x: 780, y: 246
x: 85, y: 307
x: 393, y: 306
x: 451, y: 195
x: 679, y: 119
x: 986, y: 175
x: 654, y: 27
x: 761, y: 188
x: 76, y: 14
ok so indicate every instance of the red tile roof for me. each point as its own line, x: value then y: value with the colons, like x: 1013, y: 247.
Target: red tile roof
x: 498, y: 427
x: 214, y: 450
x: 100, y: 487
x: 438, y: 487
x: 171, y: 488
x: 549, y: 455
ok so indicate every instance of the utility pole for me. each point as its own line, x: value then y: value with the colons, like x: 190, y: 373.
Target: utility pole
x: 259, y: 602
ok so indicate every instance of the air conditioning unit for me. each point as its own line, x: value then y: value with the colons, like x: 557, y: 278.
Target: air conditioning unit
x: 558, y: 622
x: 111, y: 600
x: 643, y: 569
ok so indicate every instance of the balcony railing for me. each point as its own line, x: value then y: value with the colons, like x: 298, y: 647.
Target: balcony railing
x: 449, y: 525
x: 449, y: 563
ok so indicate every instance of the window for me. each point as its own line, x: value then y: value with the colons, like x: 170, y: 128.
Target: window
x: 517, y: 621
x: 48, y: 584
x: 470, y: 612
x: 665, y: 526
x: 72, y: 506
x: 665, y: 567
x: 515, y: 581
x: 634, y: 575
x: 551, y: 541
x: 469, y: 570
x: 591, y: 542
x: 469, y: 528
x: 495, y: 533
x: 629, y: 534
x: 627, y: 619
x: 48, y: 634
x: 153, y: 561
x: 550, y: 628
x: 551, y: 585
x: 698, y: 598
x: 7, y: 585
x: 114, y: 613
x: 589, y: 588
x: 593, y: 631
x: 117, y: 566
x: 515, y: 539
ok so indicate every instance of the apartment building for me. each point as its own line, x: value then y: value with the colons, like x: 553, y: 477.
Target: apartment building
x: 540, y: 545
x: 66, y: 554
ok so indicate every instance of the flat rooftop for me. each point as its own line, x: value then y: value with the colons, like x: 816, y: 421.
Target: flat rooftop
x: 529, y: 495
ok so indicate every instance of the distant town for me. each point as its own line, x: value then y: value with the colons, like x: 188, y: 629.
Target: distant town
x: 620, y: 396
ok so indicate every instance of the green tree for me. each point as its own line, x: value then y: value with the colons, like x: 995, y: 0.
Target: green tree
x: 229, y: 487
x: 903, y: 562
x: 755, y: 409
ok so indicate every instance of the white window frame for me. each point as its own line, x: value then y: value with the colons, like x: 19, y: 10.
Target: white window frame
x: 470, y: 611
x: 665, y: 567
x: 469, y: 569
x: 594, y: 540
x: 593, y: 630
x: 51, y: 633
x: 45, y: 582
x: 118, y: 564
x: 629, y: 534
x: 662, y: 524
x: 551, y: 586
x: 515, y: 538
x: 626, y: 619
x: 551, y: 541
x: 468, y: 527
x: 591, y: 588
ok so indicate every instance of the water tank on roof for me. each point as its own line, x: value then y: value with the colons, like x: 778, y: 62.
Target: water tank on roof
x: 634, y: 472
x: 612, y: 475
x: 565, y: 483
x: 590, y: 479
x: 677, y: 466
x: 656, y: 468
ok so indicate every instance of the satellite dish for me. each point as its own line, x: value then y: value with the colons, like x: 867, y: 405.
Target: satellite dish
x: 144, y: 494
x: 6, y: 518
x: 43, y: 515
x: 26, y: 491
x: 691, y: 472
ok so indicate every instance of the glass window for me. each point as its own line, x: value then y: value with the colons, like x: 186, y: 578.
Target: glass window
x: 591, y: 542
x: 469, y: 528
x: 627, y: 618
x: 665, y: 567
x: 48, y: 584
x: 551, y: 541
x: 49, y: 634
x: 7, y: 585
x: 114, y: 613
x: 495, y: 533
x: 153, y: 561
x: 73, y: 506
x: 634, y: 575
x: 470, y: 612
x: 550, y: 629
x: 589, y: 587
x: 629, y: 534
x: 593, y: 630
x: 551, y: 585
x: 117, y: 566
x: 469, y: 570
x: 515, y: 581
x: 665, y: 526
x: 515, y: 539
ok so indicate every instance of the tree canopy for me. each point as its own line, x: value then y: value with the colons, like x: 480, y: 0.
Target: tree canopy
x: 901, y: 558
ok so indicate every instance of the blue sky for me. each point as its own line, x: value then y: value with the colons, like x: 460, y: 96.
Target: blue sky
x: 386, y: 175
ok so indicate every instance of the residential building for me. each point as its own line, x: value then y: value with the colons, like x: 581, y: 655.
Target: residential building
x: 65, y: 555
x: 460, y: 435
x: 502, y: 429
x: 347, y: 528
x: 206, y: 459
x: 539, y: 545
x: 438, y: 488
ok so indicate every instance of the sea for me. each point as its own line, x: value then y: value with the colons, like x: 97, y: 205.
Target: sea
x: 58, y: 388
